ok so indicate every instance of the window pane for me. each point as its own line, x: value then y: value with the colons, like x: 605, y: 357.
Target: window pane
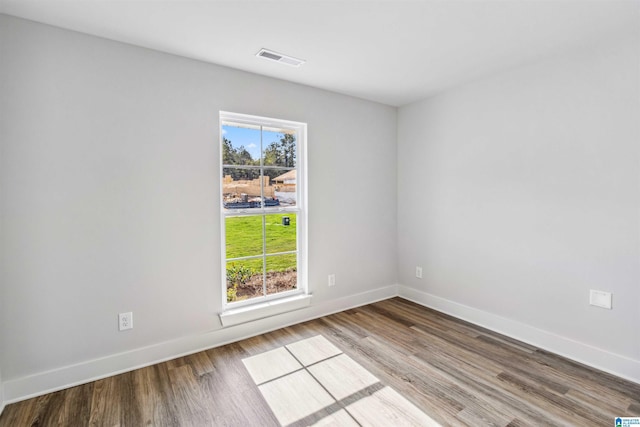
x: 280, y: 232
x: 281, y: 273
x: 240, y: 145
x: 259, y: 187
x: 241, y: 188
x: 284, y: 185
x: 244, y: 279
x: 243, y: 236
x: 280, y: 148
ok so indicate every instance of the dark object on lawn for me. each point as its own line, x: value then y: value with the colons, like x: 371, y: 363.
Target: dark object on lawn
x: 268, y: 202
x: 285, y: 220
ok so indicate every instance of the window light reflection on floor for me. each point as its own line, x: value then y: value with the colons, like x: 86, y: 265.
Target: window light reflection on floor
x: 311, y: 382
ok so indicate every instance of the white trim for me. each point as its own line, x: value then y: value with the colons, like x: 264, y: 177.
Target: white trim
x: 68, y: 376
x: 300, y: 210
x: 2, y: 402
x: 84, y: 372
x: 249, y: 313
x: 597, y: 358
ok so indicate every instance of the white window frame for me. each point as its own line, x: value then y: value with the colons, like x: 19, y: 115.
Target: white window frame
x: 268, y: 301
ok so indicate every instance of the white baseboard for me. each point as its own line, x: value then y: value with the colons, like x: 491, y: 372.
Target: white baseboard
x: 2, y: 402
x: 68, y: 376
x: 603, y: 360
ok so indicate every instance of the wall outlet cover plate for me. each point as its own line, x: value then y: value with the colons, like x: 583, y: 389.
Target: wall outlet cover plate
x: 600, y: 299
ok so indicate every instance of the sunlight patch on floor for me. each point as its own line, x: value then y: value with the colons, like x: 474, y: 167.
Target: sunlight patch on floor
x: 311, y: 382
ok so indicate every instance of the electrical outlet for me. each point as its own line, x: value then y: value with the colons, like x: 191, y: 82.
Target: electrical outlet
x: 332, y: 280
x: 125, y: 321
x: 419, y: 272
x: 600, y: 299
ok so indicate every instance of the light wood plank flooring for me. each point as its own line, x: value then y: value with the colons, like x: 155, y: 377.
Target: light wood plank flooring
x: 451, y: 372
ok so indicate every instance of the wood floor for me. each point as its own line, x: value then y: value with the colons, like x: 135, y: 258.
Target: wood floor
x: 454, y: 372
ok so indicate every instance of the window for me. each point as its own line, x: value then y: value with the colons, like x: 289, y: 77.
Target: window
x: 263, y: 208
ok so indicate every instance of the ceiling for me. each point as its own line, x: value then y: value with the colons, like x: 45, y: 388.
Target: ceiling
x: 393, y: 52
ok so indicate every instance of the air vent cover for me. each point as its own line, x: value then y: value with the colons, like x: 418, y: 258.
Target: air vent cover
x: 278, y: 57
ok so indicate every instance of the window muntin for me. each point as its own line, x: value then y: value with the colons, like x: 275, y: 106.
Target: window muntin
x: 262, y: 199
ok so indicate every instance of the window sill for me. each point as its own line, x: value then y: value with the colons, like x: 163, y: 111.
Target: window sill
x: 245, y: 314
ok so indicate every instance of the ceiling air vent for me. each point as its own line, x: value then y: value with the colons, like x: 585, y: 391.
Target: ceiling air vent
x: 278, y: 57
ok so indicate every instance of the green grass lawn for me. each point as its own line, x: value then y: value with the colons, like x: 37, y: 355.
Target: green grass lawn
x: 244, y: 238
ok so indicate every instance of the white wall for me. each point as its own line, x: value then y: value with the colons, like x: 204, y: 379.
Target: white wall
x: 110, y: 202
x: 519, y: 193
x: 3, y: 84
